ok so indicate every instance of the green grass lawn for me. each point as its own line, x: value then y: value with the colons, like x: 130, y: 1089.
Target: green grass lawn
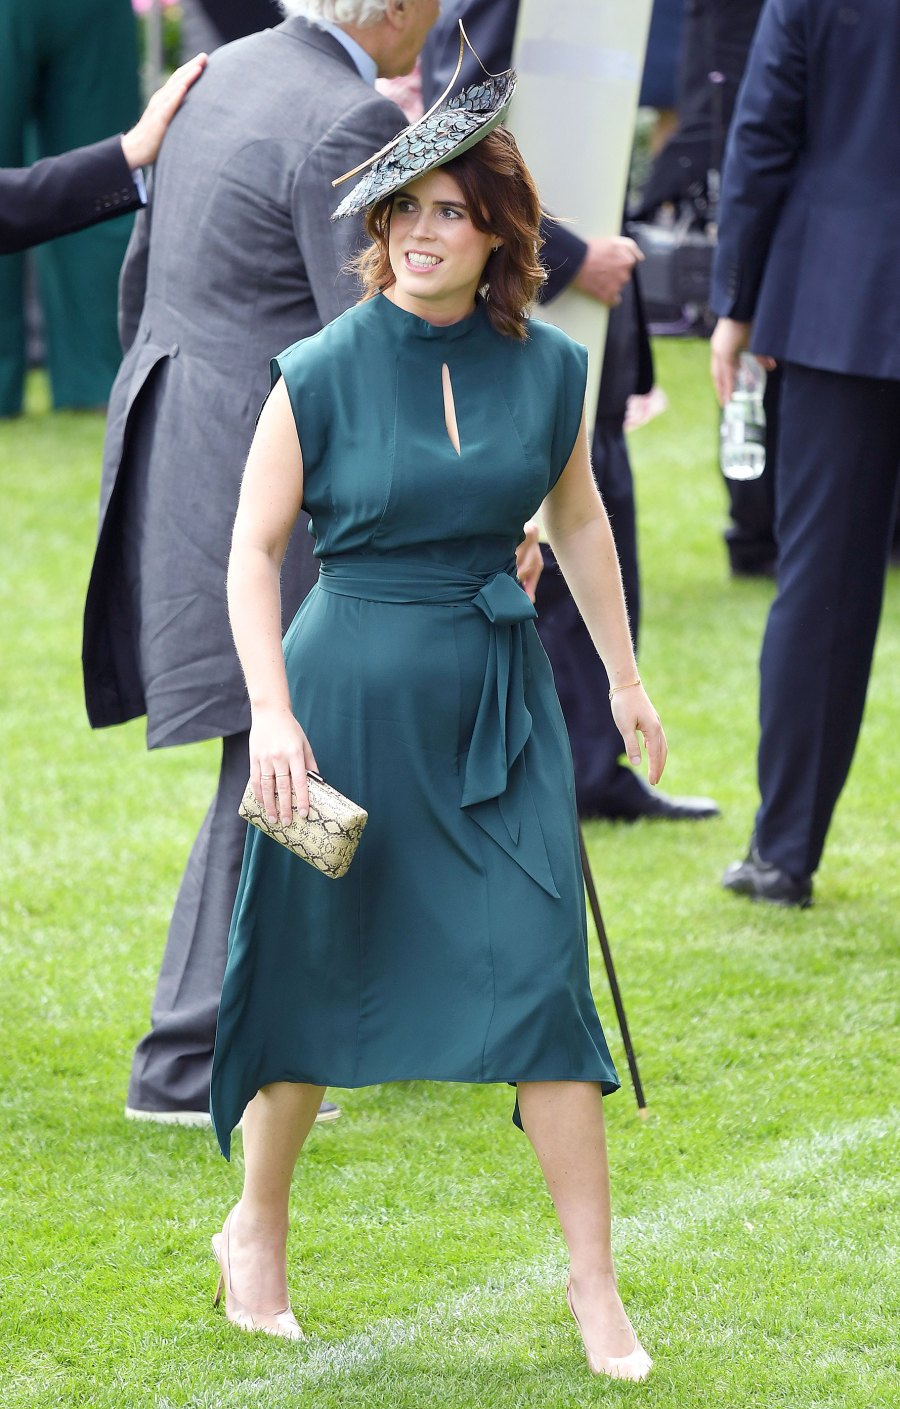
x: 755, y: 1207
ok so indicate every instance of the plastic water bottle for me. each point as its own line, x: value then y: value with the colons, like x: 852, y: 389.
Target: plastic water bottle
x: 742, y: 449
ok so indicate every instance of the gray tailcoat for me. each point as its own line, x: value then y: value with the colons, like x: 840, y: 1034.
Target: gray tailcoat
x: 234, y: 259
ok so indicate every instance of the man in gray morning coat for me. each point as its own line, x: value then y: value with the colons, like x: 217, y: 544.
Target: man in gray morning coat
x: 234, y: 259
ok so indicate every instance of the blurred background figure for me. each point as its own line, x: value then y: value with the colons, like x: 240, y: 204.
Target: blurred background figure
x: 68, y: 78
x: 602, y: 268
x: 807, y: 272
x: 91, y: 184
x: 405, y: 91
x: 715, y: 38
x: 658, y: 83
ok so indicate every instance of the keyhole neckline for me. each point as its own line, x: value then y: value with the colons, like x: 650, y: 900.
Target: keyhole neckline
x: 414, y: 326
x: 450, y: 420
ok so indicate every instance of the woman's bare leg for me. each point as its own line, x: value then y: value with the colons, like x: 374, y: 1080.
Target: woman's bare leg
x: 564, y: 1122
x: 276, y: 1123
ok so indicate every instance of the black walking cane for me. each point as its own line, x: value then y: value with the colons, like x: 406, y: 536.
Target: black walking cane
x: 611, y: 975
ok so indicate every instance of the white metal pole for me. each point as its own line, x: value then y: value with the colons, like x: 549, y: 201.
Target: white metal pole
x: 580, y: 64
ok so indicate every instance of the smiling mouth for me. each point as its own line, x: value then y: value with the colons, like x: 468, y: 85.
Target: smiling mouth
x: 415, y: 259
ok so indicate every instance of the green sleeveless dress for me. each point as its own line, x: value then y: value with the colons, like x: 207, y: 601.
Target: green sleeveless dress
x: 455, y: 947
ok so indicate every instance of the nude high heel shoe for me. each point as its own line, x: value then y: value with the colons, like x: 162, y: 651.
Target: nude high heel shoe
x: 277, y: 1323
x: 636, y: 1365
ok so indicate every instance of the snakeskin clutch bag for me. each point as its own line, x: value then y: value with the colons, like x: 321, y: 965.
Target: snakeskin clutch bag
x: 327, y: 837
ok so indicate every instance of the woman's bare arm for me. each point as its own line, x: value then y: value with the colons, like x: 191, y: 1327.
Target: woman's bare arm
x: 579, y: 533
x: 271, y: 497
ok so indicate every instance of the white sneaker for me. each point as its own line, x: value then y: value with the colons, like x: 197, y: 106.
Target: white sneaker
x: 199, y: 1119
x: 327, y: 1111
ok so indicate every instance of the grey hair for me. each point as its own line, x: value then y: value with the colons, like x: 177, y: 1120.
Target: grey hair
x: 355, y: 12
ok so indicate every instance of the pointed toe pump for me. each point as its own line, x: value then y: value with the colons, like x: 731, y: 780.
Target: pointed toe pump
x: 636, y: 1365
x: 276, y: 1323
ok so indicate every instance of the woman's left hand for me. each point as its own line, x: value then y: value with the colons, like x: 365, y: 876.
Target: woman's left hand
x: 529, y: 560
x: 634, y: 714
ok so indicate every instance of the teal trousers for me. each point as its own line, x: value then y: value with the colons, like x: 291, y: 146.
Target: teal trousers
x: 68, y: 77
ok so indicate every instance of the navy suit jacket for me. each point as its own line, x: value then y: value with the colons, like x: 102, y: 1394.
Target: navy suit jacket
x: 809, y: 248
x: 61, y: 194
x: 491, y: 27
x: 234, y: 19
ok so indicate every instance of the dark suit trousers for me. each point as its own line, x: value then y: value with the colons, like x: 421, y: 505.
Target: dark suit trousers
x: 838, y: 471
x: 602, y: 783
x: 172, y: 1063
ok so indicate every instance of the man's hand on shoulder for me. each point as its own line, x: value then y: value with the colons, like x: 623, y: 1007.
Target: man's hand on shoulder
x: 141, y: 145
x: 607, y: 267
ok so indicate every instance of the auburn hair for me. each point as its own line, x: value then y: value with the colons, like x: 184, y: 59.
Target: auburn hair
x: 502, y: 200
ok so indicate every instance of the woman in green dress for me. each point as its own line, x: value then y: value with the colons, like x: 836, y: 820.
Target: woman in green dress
x: 421, y: 429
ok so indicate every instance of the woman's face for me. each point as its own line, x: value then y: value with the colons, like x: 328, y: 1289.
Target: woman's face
x: 436, y: 253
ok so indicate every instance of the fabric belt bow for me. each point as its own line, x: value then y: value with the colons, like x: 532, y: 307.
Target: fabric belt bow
x: 495, y: 793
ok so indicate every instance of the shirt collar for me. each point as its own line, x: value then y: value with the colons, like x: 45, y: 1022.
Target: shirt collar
x: 365, y: 64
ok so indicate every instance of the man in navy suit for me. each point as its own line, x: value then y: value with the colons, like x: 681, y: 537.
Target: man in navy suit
x: 65, y: 193
x: 603, y: 269
x: 807, y: 272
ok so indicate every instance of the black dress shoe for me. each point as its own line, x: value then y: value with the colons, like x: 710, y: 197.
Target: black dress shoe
x: 640, y: 800
x: 761, y: 881
x: 766, y: 567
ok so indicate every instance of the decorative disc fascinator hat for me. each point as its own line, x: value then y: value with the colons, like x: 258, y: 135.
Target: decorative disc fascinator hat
x: 448, y: 129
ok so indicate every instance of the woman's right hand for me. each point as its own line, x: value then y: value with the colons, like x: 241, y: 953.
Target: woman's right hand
x: 280, y: 755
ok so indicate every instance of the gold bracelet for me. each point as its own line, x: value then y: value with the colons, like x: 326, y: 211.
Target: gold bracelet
x: 630, y: 686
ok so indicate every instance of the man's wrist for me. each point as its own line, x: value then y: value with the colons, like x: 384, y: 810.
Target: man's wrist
x: 130, y: 151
